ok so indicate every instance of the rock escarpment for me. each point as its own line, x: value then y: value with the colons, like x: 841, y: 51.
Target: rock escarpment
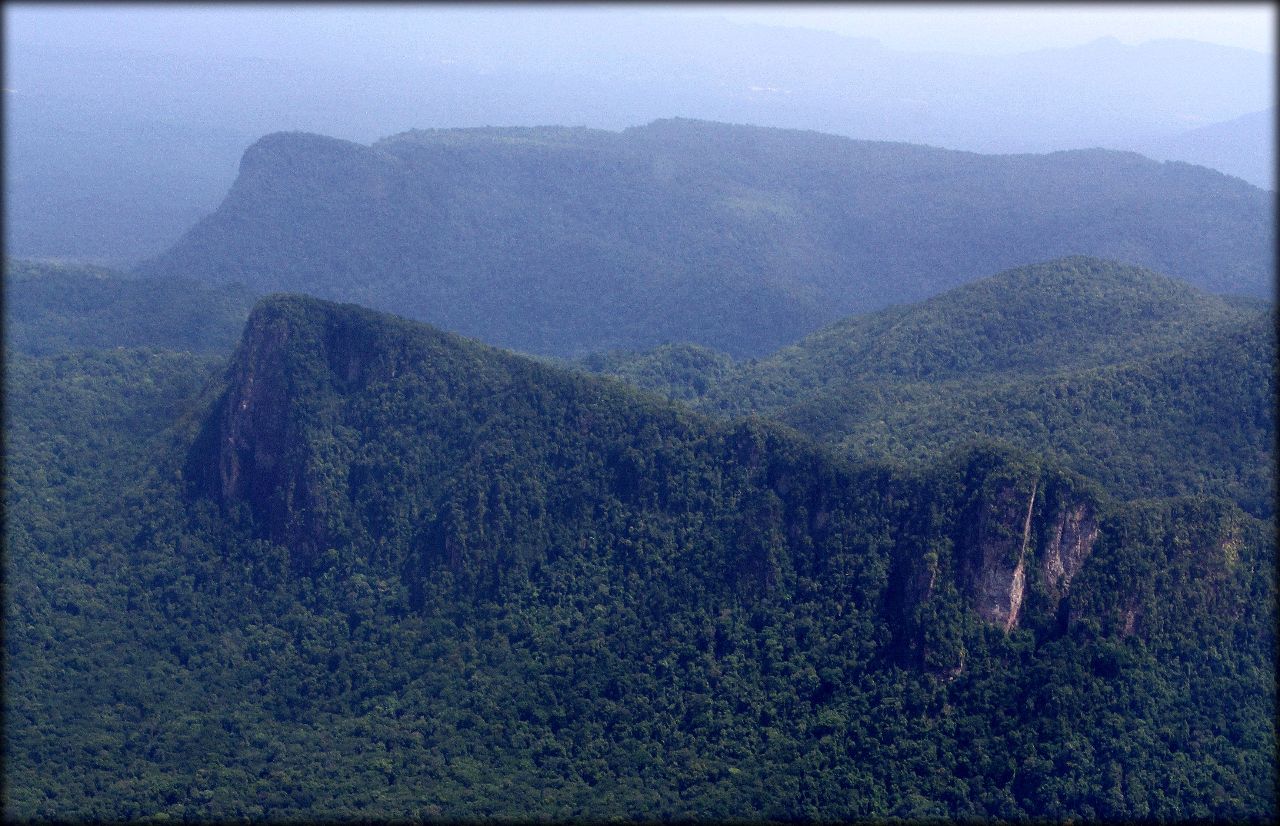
x: 1019, y: 538
x: 345, y: 433
x: 1022, y: 539
x: 993, y: 558
x: 255, y: 436
x: 274, y: 442
x: 1067, y: 543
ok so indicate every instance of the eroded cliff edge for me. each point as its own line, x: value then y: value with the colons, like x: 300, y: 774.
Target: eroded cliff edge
x: 342, y: 428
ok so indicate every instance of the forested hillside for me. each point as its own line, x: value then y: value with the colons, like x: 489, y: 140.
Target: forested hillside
x: 562, y: 241
x: 1139, y: 381
x: 57, y: 307
x: 706, y: 419
x: 376, y: 570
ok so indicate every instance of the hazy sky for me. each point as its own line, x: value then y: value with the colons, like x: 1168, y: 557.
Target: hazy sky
x: 1011, y: 27
x: 952, y: 27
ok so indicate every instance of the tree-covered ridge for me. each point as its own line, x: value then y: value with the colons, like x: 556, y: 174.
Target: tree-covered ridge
x: 566, y: 241
x: 1140, y: 382
x: 1201, y: 421
x: 509, y: 590
x: 1054, y: 315
x: 52, y: 308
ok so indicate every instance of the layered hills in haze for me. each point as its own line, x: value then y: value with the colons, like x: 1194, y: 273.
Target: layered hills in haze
x: 836, y: 479
x: 124, y: 125
x: 562, y: 241
x: 375, y: 569
x: 1243, y: 146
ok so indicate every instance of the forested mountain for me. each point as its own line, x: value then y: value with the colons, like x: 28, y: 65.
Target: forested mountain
x: 56, y: 307
x: 124, y: 124
x: 829, y: 475
x: 1135, y: 379
x: 562, y: 241
x: 376, y: 570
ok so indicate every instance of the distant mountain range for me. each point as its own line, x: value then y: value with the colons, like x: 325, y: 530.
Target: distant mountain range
x: 106, y: 161
x: 563, y: 241
x: 1243, y: 146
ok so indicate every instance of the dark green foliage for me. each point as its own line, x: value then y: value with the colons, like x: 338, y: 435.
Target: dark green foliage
x: 678, y: 371
x: 1198, y: 421
x: 513, y: 591
x: 51, y: 308
x: 1136, y: 380
x: 1069, y: 313
x: 566, y: 241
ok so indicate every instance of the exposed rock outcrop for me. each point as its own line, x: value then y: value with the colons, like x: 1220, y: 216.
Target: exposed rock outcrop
x: 1020, y: 539
x: 993, y: 560
x: 271, y: 443
x: 1067, y: 544
x: 254, y: 418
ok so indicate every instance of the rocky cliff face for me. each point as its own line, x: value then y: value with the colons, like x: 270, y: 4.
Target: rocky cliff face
x: 1017, y: 544
x: 272, y: 443
x: 1024, y: 542
x: 1067, y: 543
x: 256, y: 449
x: 253, y: 420
x: 993, y: 557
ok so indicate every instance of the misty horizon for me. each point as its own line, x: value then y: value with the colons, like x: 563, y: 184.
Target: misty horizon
x: 125, y: 124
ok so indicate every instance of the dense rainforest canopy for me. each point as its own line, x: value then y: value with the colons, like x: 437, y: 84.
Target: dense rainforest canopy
x: 365, y: 568
x: 1139, y: 381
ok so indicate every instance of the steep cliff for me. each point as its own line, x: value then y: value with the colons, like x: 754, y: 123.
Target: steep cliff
x: 1025, y: 541
x: 453, y: 462
x: 993, y: 557
x: 1067, y: 544
x: 275, y: 441
x: 997, y: 538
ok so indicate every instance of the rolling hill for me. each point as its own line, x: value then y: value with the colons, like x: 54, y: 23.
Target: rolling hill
x: 1137, y: 380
